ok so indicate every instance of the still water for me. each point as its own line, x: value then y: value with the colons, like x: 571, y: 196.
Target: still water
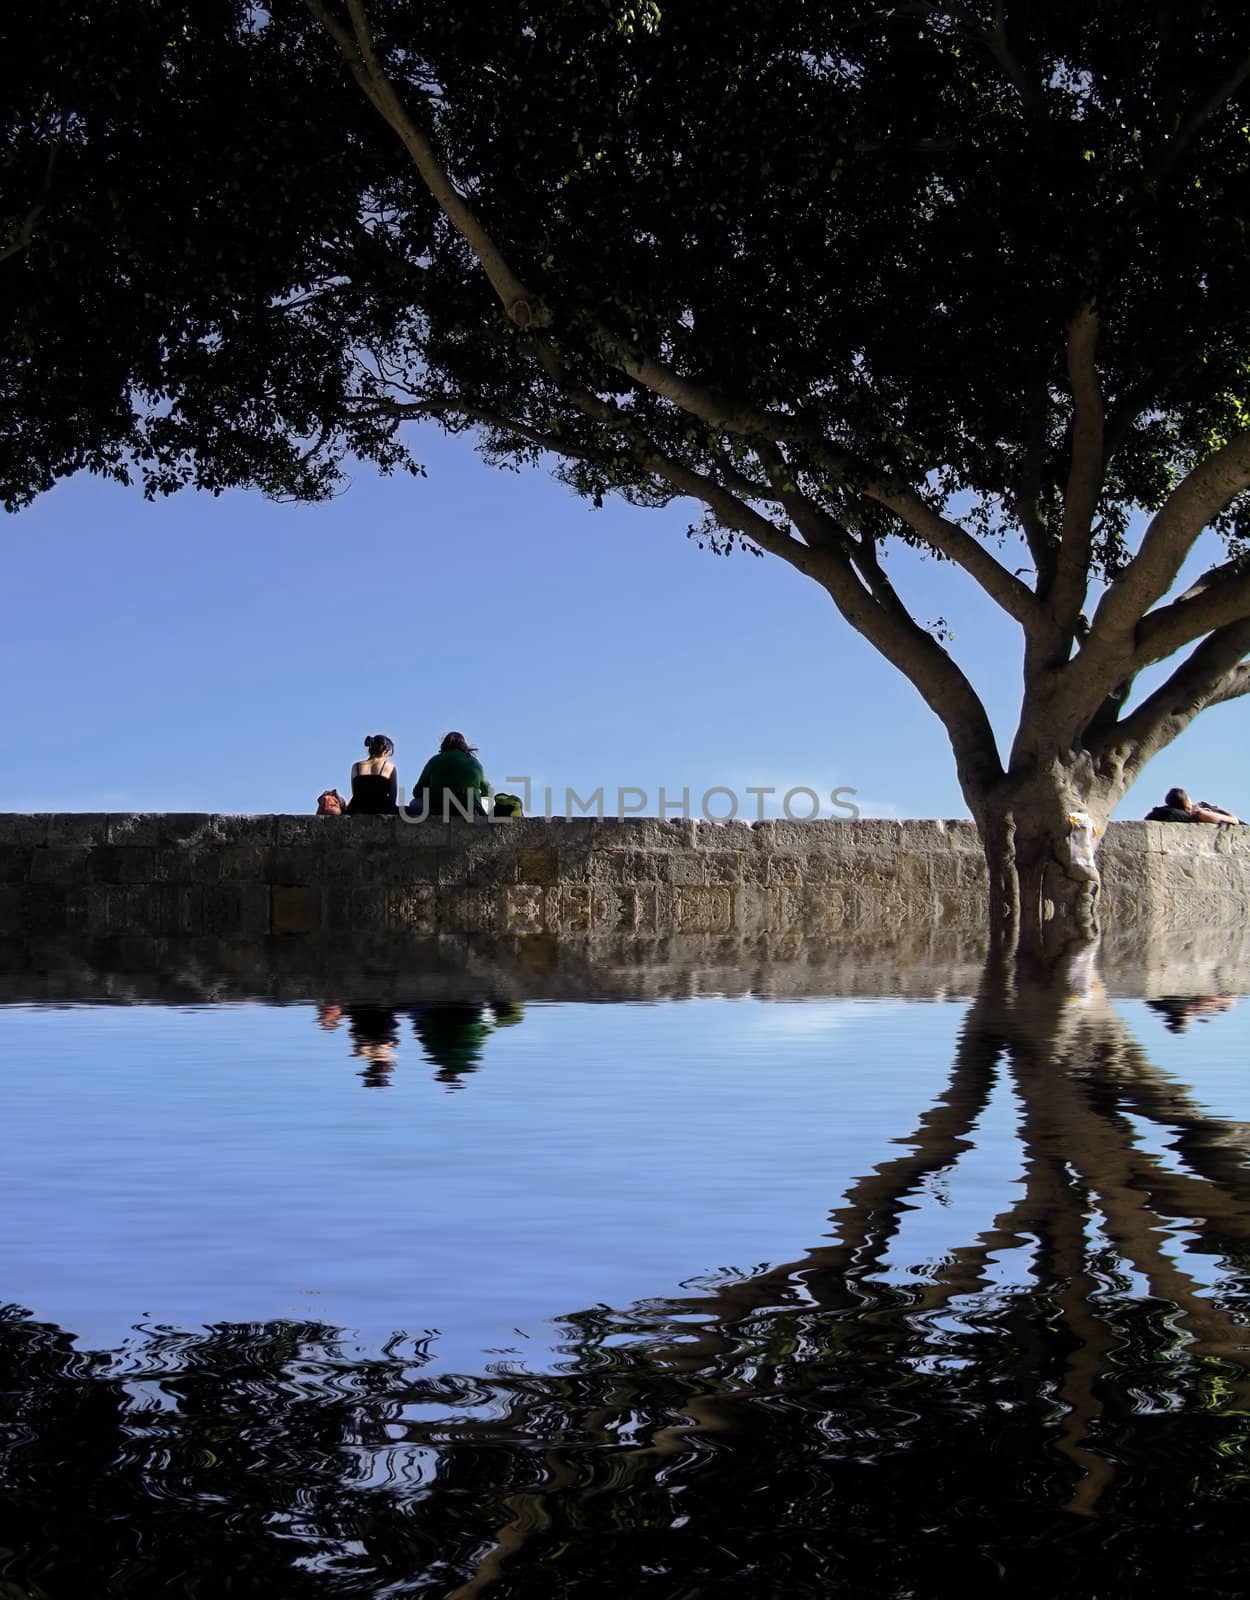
x: 716, y: 1296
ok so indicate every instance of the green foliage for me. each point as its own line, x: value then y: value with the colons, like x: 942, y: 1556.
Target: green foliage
x: 875, y: 219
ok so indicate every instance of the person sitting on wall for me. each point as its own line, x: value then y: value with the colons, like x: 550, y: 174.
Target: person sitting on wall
x: 452, y: 783
x: 375, y: 785
x: 1178, y: 807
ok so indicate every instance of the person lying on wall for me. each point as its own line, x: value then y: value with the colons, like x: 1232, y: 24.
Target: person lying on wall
x: 1178, y: 807
x: 452, y: 783
x: 330, y: 803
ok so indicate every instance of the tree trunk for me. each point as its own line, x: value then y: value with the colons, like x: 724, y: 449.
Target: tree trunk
x: 1044, y: 898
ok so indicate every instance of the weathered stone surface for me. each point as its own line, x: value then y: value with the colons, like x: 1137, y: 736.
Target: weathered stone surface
x: 597, y: 880
x: 295, y: 909
x: 397, y: 964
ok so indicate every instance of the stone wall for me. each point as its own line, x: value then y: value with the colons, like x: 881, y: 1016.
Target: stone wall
x: 615, y: 883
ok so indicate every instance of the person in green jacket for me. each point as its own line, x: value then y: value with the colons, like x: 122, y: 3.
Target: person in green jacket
x: 451, y: 784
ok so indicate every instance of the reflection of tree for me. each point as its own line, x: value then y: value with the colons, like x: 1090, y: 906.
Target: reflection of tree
x: 829, y: 1426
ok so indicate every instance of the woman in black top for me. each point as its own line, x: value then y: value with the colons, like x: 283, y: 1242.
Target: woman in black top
x: 374, y: 783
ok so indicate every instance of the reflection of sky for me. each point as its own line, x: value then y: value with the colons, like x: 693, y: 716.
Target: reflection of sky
x: 225, y: 1163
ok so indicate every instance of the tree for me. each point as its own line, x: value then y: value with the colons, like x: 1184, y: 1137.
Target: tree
x: 969, y: 277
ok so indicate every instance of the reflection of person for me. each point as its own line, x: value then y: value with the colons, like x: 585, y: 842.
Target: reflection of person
x: 1178, y: 1011
x: 375, y: 1039
x: 451, y: 782
x: 452, y: 1036
x: 1178, y: 807
x: 375, y: 784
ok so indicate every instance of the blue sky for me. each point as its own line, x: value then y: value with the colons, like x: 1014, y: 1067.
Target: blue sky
x: 229, y: 654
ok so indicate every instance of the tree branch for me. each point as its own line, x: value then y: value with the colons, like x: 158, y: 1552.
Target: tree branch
x: 492, y: 419
x: 1213, y: 673
x: 1000, y: 48
x: 1026, y: 501
x: 1219, y: 597
x: 892, y: 631
x: 1085, y: 473
x: 731, y: 512
x: 1201, y: 495
x: 24, y: 237
x: 1235, y: 685
x: 949, y: 539
x: 1201, y: 113
x: 358, y: 51
x: 21, y: 240
x: 524, y: 307
x: 993, y: 39
x: 864, y: 558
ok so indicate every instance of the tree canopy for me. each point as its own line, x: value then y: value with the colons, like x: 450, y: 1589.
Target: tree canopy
x: 970, y: 276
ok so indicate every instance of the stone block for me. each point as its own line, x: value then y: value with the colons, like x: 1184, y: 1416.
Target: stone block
x: 181, y: 907
x: 413, y: 833
x: 121, y: 864
x: 523, y: 909
x: 12, y: 907
x: 538, y: 954
x: 412, y: 908
x: 294, y: 908
x: 648, y: 909
x: 784, y: 871
x: 78, y: 830
x: 368, y: 908
x: 705, y: 910
x: 176, y: 865
x: 294, y: 864
x: 490, y: 868
x: 816, y: 911
x: 538, y: 866
x: 256, y: 828
x: 628, y: 910
x: 236, y: 910
x: 194, y: 830
x: 824, y: 871
x: 336, y: 908
x: 243, y: 861
x: 696, y: 867
x: 735, y: 835
x: 569, y: 908
x: 335, y: 866
x: 139, y: 828
x: 461, y: 909
x: 51, y: 864
x: 634, y: 866
x: 16, y: 828
x: 42, y: 908
x: 363, y: 833
x: 15, y: 862
x: 311, y: 832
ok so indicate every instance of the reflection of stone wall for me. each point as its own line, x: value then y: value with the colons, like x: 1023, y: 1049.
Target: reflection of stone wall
x: 924, y: 962
x: 635, y: 880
